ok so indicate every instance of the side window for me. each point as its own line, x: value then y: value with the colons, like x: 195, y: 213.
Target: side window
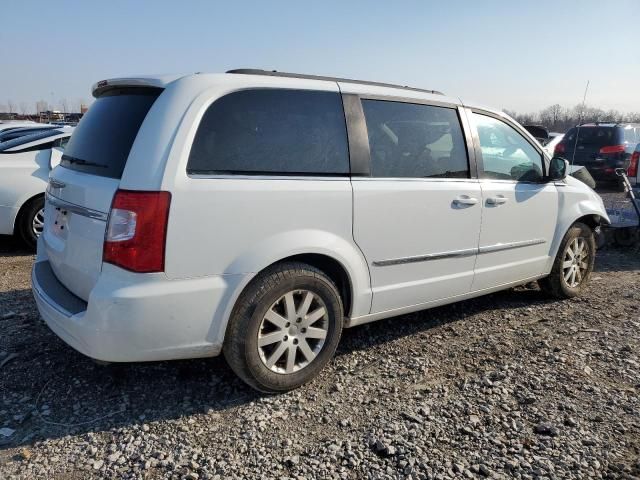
x: 631, y: 135
x: 506, y: 155
x: 411, y: 140
x: 272, y: 131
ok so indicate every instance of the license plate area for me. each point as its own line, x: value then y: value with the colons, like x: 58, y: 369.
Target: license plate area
x: 60, y: 222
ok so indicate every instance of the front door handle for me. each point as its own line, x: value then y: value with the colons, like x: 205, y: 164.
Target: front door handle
x: 465, y: 200
x: 500, y: 200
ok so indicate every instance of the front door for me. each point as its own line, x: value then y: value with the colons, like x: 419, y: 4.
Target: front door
x: 417, y: 216
x: 519, y: 208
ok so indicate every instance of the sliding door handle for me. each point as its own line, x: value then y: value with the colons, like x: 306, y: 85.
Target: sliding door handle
x: 465, y: 200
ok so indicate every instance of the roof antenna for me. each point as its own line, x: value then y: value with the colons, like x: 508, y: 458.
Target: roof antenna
x: 584, y: 101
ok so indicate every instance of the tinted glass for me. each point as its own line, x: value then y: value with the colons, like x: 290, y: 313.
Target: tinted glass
x: 409, y: 140
x: 272, y: 132
x: 631, y: 135
x: 101, y: 142
x: 591, y: 137
x: 506, y: 155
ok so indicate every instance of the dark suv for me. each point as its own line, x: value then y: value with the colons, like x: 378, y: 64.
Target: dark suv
x: 601, y: 148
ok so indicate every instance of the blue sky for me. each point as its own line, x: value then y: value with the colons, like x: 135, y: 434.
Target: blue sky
x: 507, y: 54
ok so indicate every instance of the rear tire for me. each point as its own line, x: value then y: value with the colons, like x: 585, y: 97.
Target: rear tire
x: 625, y: 237
x: 274, y: 342
x: 573, y: 264
x: 30, y: 222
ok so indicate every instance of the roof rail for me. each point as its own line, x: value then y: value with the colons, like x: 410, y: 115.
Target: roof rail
x: 275, y: 73
x: 605, y: 122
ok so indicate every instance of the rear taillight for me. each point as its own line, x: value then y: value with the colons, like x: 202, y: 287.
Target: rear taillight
x: 559, y: 149
x: 632, y: 171
x: 613, y: 149
x: 137, y: 230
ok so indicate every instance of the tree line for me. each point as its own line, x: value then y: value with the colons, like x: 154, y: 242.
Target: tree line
x: 557, y: 118
x: 24, y: 108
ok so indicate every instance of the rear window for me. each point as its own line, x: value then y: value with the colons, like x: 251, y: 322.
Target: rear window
x: 592, y: 137
x: 272, y: 132
x: 101, y: 142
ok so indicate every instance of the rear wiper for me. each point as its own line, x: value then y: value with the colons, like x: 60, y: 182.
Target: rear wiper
x: 79, y: 161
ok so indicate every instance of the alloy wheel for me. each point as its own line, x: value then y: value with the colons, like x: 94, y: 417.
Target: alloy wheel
x: 293, y: 331
x: 576, y: 262
x: 37, y: 225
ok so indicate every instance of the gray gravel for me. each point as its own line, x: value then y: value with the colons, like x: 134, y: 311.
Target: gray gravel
x: 511, y: 385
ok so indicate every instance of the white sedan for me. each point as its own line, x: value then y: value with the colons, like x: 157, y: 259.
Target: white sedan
x: 25, y: 163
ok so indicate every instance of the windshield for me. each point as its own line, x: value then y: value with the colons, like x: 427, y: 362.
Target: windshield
x: 102, y: 140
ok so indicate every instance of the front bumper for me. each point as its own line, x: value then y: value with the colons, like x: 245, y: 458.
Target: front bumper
x: 137, y: 317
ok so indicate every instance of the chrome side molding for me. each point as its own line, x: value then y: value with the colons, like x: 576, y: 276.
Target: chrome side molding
x: 77, y: 209
x: 459, y: 253
x: 424, y: 258
x: 508, y: 246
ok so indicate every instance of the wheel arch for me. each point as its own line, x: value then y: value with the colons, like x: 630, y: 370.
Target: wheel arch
x: 345, y: 266
x: 333, y: 269
x: 593, y: 219
x: 25, y: 204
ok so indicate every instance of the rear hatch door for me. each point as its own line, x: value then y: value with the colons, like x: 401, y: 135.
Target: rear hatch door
x: 82, y: 186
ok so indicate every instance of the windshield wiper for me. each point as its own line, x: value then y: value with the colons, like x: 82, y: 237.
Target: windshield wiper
x: 79, y: 161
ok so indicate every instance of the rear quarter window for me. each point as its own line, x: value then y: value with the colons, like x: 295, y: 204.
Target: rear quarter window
x: 272, y: 132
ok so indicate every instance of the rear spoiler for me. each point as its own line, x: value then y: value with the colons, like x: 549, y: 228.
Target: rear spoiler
x: 103, y: 86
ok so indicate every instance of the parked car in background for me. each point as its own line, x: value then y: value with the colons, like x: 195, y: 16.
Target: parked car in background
x: 6, y: 124
x: 25, y: 163
x: 540, y: 133
x: 258, y: 213
x: 11, y: 133
x: 601, y: 148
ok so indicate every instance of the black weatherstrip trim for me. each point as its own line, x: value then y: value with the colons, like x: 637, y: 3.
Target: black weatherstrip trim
x: 468, y: 138
x: 359, y: 155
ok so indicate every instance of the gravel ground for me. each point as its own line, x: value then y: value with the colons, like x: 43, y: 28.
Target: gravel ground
x: 511, y: 385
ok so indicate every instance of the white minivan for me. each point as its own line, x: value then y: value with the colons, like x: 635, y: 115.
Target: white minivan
x: 257, y: 214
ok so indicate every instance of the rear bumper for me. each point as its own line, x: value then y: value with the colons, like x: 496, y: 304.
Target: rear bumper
x: 132, y: 321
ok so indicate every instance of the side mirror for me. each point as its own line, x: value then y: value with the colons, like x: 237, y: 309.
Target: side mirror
x: 558, y: 169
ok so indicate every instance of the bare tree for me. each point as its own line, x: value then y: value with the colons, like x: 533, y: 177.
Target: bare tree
x: 41, y: 106
x: 552, y: 116
x: 12, y: 106
x: 23, y: 108
x: 559, y: 119
x: 65, y: 105
x: 82, y: 102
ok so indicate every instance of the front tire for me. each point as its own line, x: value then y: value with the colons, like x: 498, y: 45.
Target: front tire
x: 31, y: 222
x: 573, y: 265
x: 284, y: 328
